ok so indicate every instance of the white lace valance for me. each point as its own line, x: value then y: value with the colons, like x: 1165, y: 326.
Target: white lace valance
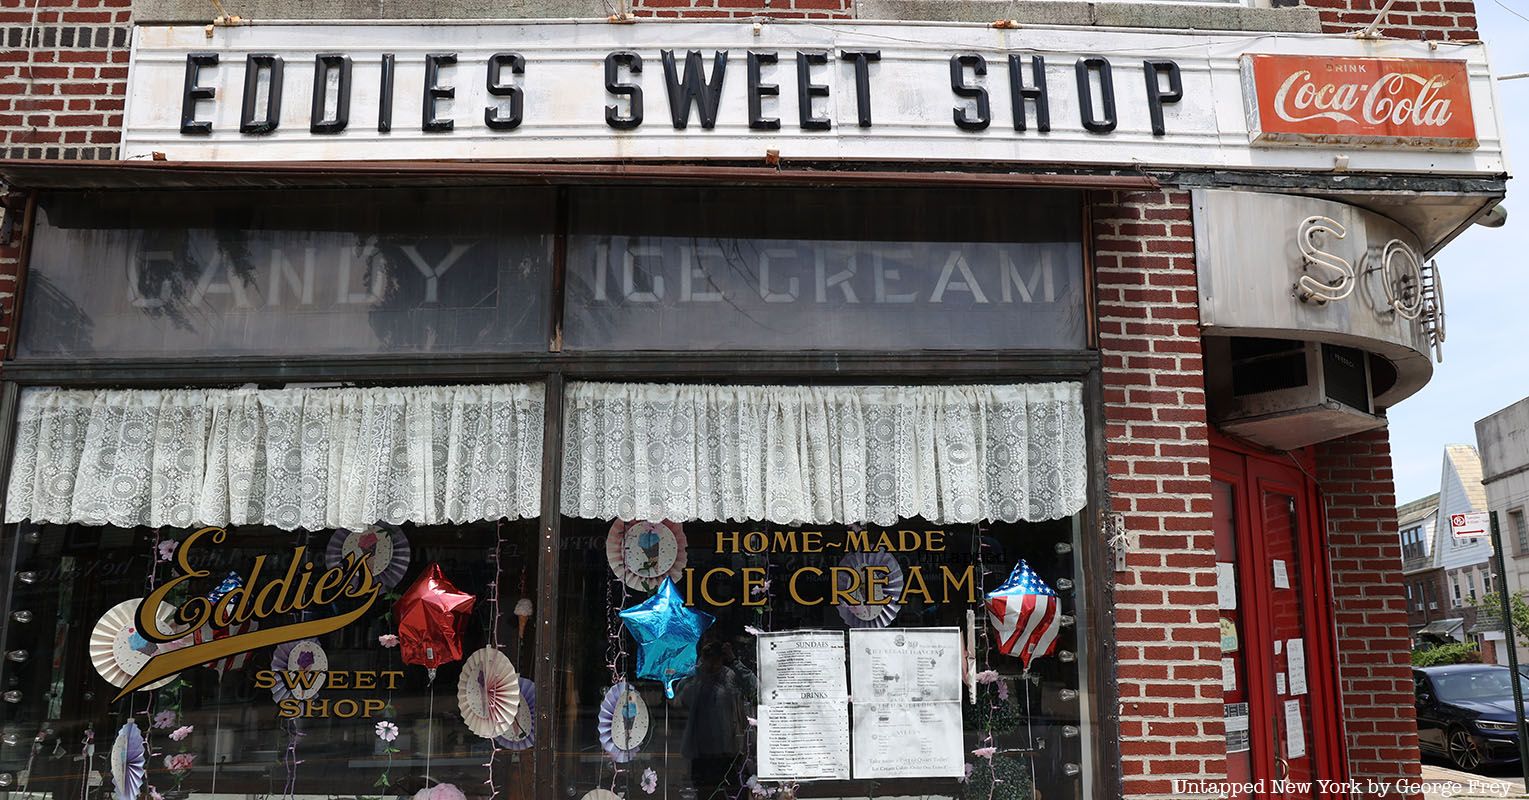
x: 822, y: 455
x: 291, y: 458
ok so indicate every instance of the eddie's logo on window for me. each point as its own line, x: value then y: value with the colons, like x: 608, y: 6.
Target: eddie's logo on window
x: 260, y: 598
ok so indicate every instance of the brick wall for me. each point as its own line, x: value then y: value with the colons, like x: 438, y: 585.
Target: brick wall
x: 1369, y: 606
x: 1437, y: 20
x: 63, y: 82
x: 1168, y: 644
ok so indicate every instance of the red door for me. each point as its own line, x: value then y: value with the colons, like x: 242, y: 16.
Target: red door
x: 1284, y: 723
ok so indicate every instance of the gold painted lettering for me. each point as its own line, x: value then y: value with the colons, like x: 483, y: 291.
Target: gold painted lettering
x: 966, y: 578
x: 876, y: 586
x: 795, y: 595
x: 915, y: 585
x: 935, y: 541
x: 753, y: 577
x: 843, y: 594
x: 706, y: 587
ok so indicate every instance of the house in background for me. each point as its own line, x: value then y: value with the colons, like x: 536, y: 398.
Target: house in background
x: 1504, y: 441
x: 1428, y: 614
x: 1446, y: 576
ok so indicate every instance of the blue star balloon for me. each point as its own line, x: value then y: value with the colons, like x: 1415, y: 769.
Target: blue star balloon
x: 667, y: 633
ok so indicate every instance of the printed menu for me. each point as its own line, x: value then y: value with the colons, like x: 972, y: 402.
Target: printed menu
x: 803, y: 729
x: 907, y: 709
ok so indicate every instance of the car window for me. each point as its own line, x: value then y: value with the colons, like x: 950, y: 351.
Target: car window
x: 1487, y: 684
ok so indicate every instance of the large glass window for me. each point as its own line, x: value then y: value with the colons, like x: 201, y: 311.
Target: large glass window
x: 775, y: 589
x: 338, y: 713
x: 795, y: 269
x: 289, y: 273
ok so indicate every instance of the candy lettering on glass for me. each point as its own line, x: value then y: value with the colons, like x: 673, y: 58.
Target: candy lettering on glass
x: 1404, y: 103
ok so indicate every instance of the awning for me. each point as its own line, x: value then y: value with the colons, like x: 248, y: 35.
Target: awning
x: 1452, y: 628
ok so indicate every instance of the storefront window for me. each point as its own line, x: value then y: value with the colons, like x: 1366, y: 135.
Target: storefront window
x: 794, y: 269
x: 773, y: 588
x: 289, y: 273
x: 335, y: 714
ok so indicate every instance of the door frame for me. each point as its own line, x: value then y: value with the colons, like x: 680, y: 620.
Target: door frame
x: 1251, y: 471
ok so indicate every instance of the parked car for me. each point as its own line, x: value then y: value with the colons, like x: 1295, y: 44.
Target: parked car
x: 1465, y: 713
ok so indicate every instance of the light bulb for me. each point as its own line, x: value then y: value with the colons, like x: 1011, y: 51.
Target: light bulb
x: 1071, y: 769
x: 22, y: 617
x: 12, y: 696
x: 6, y: 779
x: 1063, y: 548
x: 1069, y: 731
x: 1068, y: 695
x: 17, y: 656
x: 27, y: 577
x: 1064, y: 584
x: 10, y: 739
x: 1066, y: 656
x: 1068, y: 620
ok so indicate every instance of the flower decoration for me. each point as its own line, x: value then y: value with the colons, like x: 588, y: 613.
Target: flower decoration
x: 987, y: 676
x: 180, y: 734
x: 440, y: 791
x: 154, y: 794
x: 164, y: 719
x: 649, y: 781
x: 387, y: 731
x: 180, y: 762
x: 388, y: 640
x: 167, y: 549
x: 985, y: 752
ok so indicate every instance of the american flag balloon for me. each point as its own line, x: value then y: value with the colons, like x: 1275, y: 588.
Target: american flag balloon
x: 1024, y: 612
x: 207, y: 633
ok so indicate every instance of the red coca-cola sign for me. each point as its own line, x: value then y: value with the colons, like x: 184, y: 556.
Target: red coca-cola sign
x: 1421, y: 103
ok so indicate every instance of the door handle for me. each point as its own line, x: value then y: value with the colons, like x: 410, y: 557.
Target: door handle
x: 1281, y: 768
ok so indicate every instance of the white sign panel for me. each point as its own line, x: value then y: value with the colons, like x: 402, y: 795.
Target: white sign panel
x: 1469, y: 525
x: 907, y: 702
x: 803, y: 730
x: 861, y: 91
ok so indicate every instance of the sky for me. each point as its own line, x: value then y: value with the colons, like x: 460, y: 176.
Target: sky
x: 1486, y: 292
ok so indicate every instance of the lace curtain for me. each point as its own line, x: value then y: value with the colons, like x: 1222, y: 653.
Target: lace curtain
x: 289, y: 458
x: 821, y: 455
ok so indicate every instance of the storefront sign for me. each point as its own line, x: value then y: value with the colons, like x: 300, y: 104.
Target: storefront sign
x: 1317, y: 100
x: 842, y: 91
x: 866, y: 585
x: 260, y: 597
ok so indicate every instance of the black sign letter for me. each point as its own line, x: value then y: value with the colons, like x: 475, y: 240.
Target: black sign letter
x: 498, y: 88
x: 319, y: 121
x: 806, y: 89
x: 862, y: 81
x: 1086, y: 94
x: 255, y: 64
x: 958, y: 84
x: 194, y: 92
x: 429, y: 122
x: 695, y: 88
x: 1019, y: 93
x: 1156, y: 97
x: 758, y: 91
x: 631, y: 91
x: 385, y: 94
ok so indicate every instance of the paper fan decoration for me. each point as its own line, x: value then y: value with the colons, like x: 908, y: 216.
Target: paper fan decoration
x: 862, y: 613
x: 384, y: 547
x: 118, y: 651
x: 207, y: 633
x: 290, y: 660
x: 642, y: 554
x: 600, y: 794
x: 127, y: 758
x: 488, y: 693
x: 624, y: 722
x: 522, y: 733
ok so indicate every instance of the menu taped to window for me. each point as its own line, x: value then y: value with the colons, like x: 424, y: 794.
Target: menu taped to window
x: 803, y: 730
x: 907, y: 709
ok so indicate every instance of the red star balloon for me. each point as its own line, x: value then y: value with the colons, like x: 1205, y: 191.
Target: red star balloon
x: 431, y: 615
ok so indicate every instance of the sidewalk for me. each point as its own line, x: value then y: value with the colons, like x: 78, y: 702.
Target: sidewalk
x: 1441, y: 783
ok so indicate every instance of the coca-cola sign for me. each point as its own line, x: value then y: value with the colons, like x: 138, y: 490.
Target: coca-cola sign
x: 1417, y: 103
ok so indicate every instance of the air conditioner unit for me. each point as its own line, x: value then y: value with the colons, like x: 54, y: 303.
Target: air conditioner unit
x: 1434, y: 606
x: 1287, y: 394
